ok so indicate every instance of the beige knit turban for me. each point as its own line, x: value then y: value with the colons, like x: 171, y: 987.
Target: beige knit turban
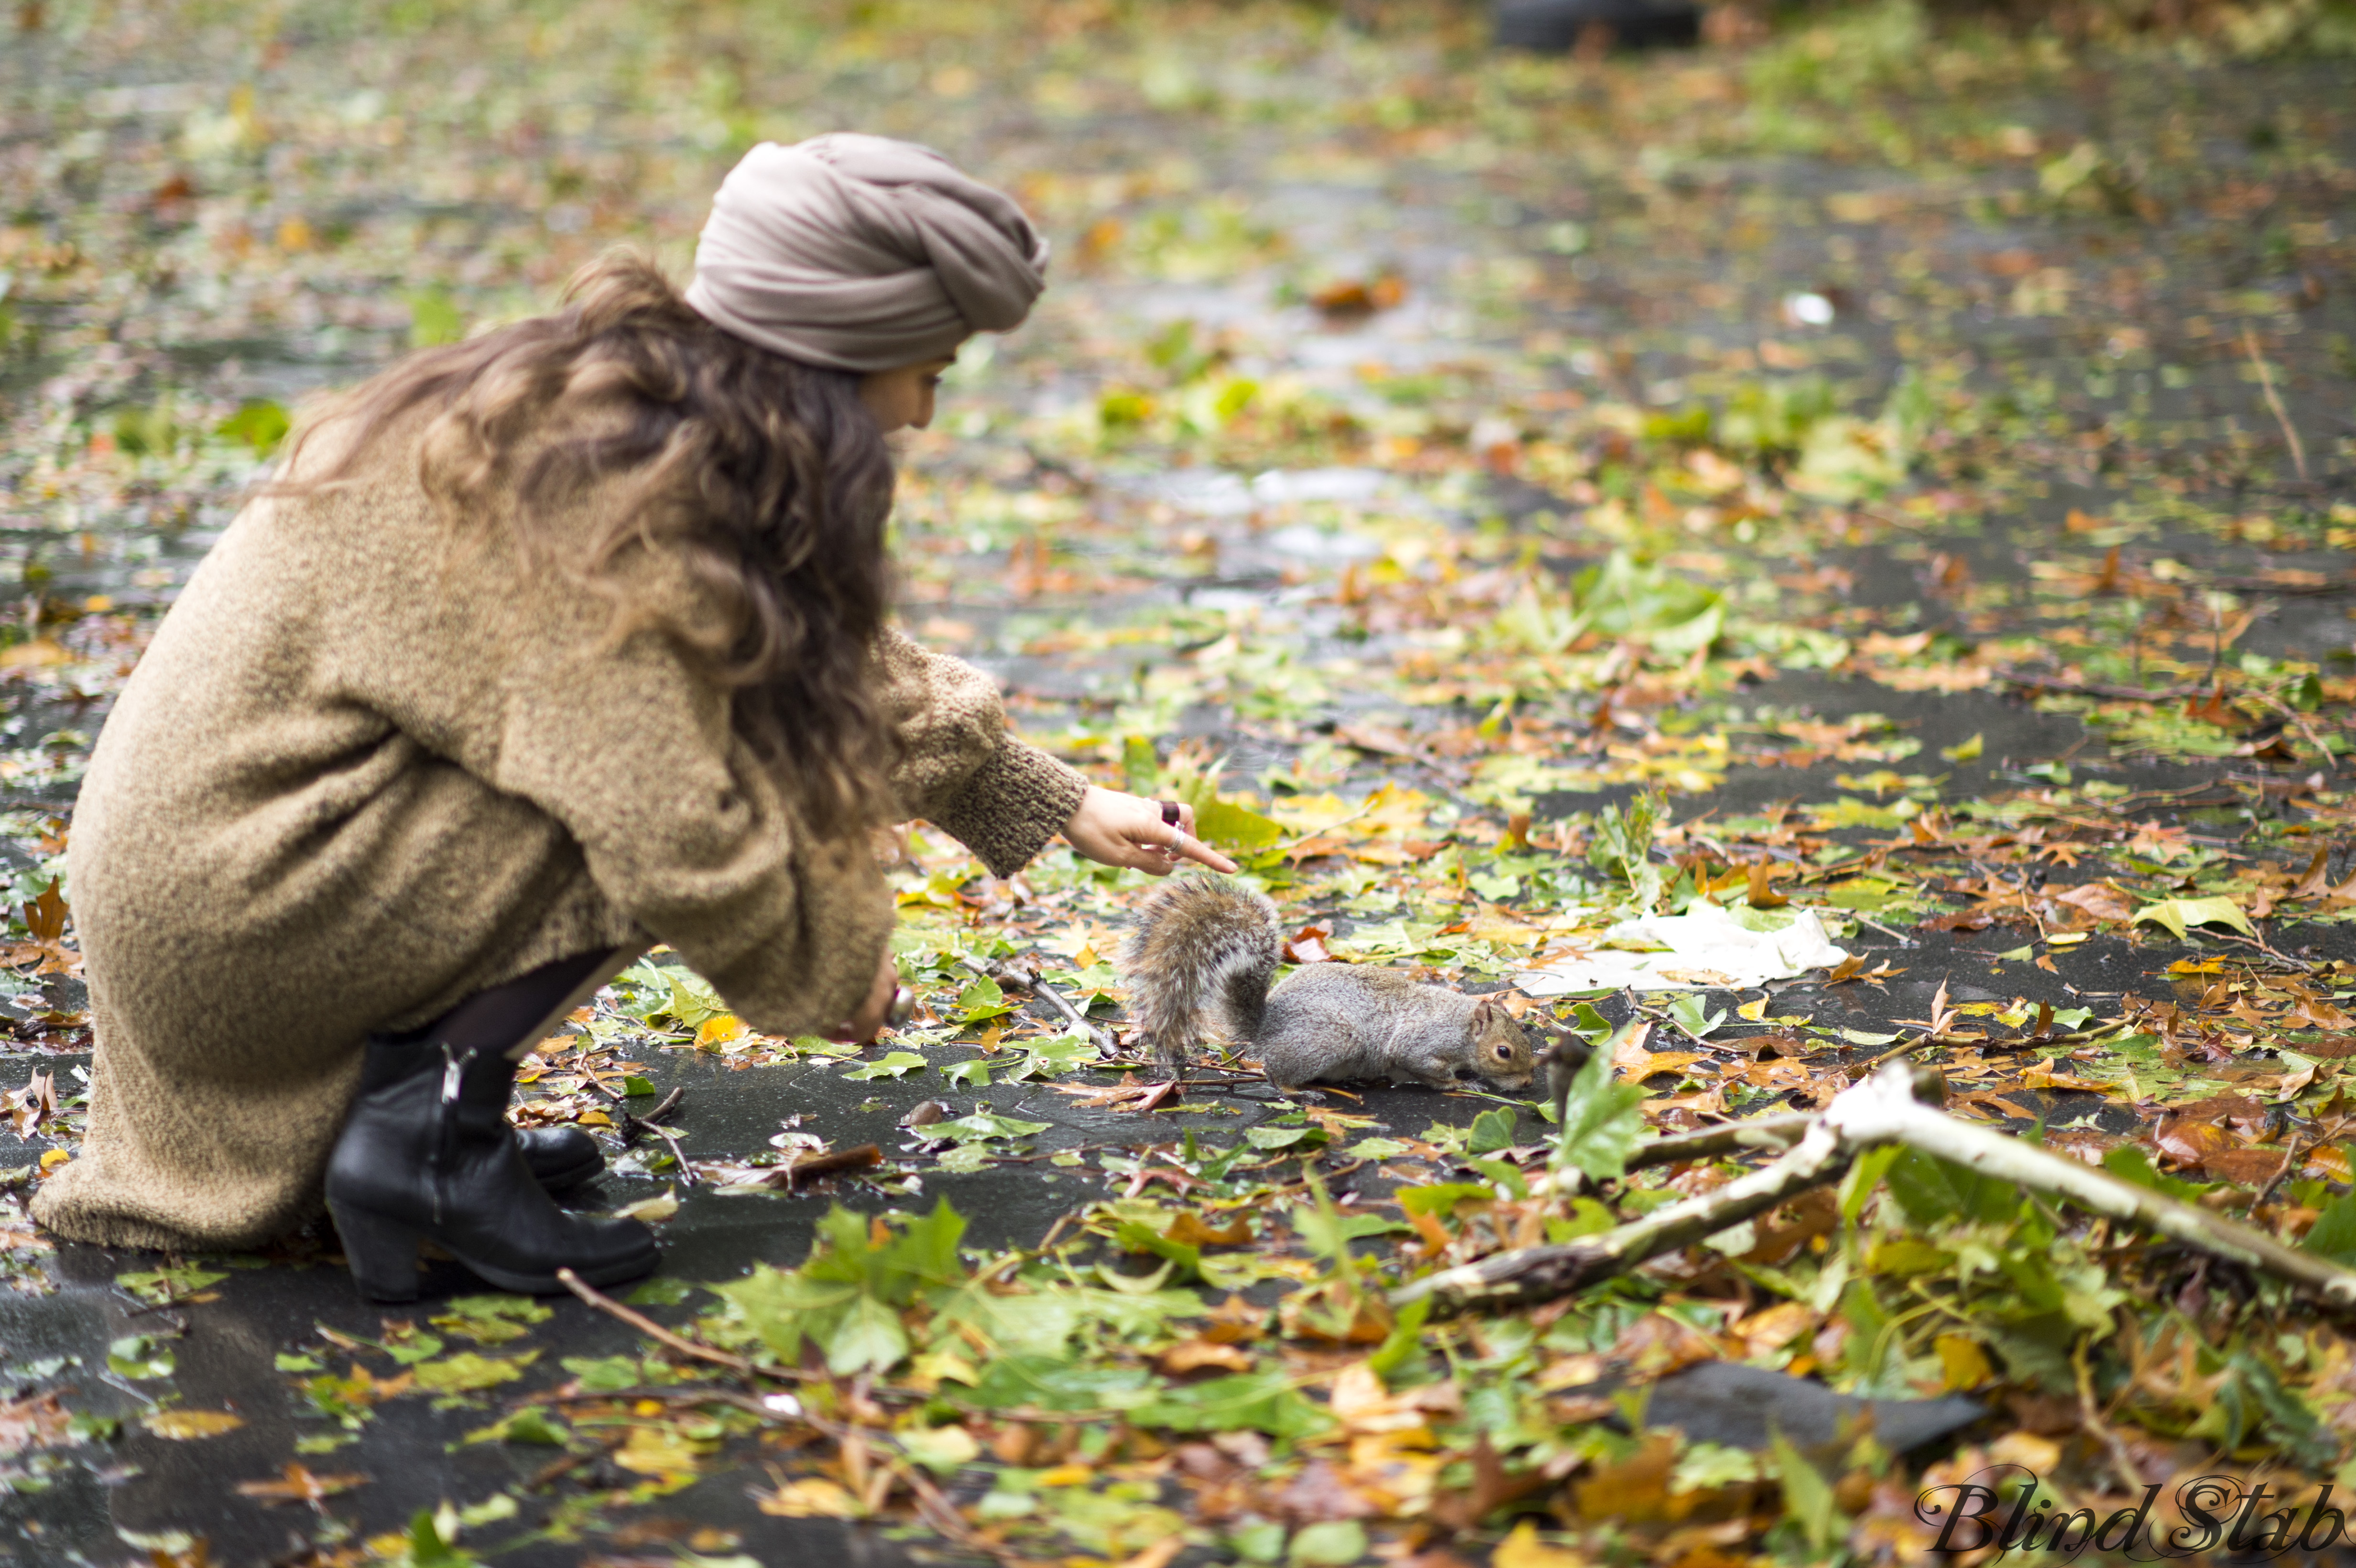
x: 863, y: 253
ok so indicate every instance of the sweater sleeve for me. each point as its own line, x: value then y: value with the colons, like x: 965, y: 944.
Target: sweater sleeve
x: 961, y: 769
x: 625, y: 742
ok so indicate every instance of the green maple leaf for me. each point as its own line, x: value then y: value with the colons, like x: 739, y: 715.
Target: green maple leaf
x: 1600, y: 1124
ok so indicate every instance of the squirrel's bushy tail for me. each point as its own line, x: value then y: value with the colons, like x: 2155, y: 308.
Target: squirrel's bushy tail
x: 1201, y: 945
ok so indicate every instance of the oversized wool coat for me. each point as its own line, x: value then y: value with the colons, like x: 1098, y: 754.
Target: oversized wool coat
x: 378, y: 758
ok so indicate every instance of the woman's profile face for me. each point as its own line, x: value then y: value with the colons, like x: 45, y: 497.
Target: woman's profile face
x: 902, y: 398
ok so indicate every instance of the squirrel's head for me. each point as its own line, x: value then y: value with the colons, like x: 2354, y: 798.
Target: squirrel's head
x: 1501, y: 1050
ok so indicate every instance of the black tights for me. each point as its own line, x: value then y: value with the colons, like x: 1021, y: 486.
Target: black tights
x: 508, y: 1019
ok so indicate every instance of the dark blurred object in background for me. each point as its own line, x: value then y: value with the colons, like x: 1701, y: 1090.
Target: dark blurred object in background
x: 1593, y: 26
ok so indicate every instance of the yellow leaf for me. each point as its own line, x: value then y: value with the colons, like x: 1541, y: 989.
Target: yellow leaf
x: 2176, y: 914
x: 1523, y: 1548
x: 1751, y: 1012
x: 813, y: 1496
x: 41, y: 653
x: 1064, y: 1476
x: 657, y: 1451
x: 719, y: 1029
x: 1968, y: 752
x: 2036, y: 1455
x: 181, y: 1425
x: 1963, y: 1365
x: 650, y: 1209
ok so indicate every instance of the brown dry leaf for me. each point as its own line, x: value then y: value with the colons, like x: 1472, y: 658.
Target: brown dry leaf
x: 21, y: 1238
x: 1202, y: 1355
x: 1637, y: 1065
x: 2315, y: 883
x: 1188, y: 1230
x: 183, y: 1425
x: 2188, y: 1140
x: 1332, y: 1315
x: 298, y: 1485
x: 1773, y: 1327
x: 1572, y: 1371
x: 2100, y: 900
x: 1157, y: 1555
x: 2320, y: 1014
x: 36, y: 1421
x: 1658, y: 1344
x: 1364, y: 1405
x: 1319, y: 1493
x: 1234, y: 1321
x: 2244, y: 1167
x: 1130, y: 1097
x: 2334, y: 1163
x: 1635, y: 1490
x: 2043, y: 1076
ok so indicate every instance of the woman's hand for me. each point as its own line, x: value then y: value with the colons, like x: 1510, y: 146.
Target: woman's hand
x: 1128, y: 830
x: 873, y: 1011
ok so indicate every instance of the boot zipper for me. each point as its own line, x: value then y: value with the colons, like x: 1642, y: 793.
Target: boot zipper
x: 445, y: 1140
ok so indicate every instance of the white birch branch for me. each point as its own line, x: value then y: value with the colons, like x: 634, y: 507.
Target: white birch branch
x: 1882, y: 1110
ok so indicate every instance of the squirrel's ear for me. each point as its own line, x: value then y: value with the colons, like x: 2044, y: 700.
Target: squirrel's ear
x: 1485, y: 1010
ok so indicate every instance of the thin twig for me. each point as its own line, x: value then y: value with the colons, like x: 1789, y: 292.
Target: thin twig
x: 1709, y: 1143
x: 2273, y: 401
x: 1008, y: 975
x: 2298, y: 722
x: 2295, y: 1159
x: 649, y: 1327
x: 834, y: 1162
x: 1902, y: 940
x: 1298, y: 838
x: 631, y: 1122
x: 2098, y: 688
x: 558, y: 1469
x: 2093, y: 1419
x: 686, y: 1172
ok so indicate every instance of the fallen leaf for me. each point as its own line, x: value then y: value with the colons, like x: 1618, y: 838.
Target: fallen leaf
x: 2180, y: 915
x: 183, y: 1425
x: 298, y: 1485
x: 661, y: 1207
x: 1203, y: 1355
x: 811, y: 1497
x: 1523, y: 1548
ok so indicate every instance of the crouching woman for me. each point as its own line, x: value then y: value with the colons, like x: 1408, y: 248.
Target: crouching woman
x: 546, y: 646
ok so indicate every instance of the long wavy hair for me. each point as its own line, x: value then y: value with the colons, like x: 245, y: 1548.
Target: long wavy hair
x: 768, y: 477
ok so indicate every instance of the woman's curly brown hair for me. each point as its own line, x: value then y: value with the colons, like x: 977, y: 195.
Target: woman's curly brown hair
x: 768, y: 478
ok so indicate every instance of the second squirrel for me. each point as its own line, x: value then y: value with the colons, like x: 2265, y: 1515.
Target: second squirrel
x: 1205, y: 950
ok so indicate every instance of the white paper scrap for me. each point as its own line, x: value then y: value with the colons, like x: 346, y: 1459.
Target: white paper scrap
x: 1706, y: 949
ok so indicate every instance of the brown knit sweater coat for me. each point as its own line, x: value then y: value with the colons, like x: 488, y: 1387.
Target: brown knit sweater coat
x: 375, y: 761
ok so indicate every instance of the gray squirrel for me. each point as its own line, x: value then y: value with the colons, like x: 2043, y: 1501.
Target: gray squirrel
x: 1204, y: 951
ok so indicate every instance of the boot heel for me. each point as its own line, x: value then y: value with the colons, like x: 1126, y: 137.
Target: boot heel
x: 382, y: 1254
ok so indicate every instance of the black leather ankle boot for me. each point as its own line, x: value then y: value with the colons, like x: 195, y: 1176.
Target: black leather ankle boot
x: 428, y: 1154
x: 560, y: 1158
